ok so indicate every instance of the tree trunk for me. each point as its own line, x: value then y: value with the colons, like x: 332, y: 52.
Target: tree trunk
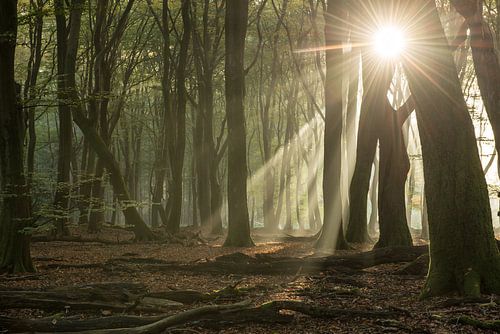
x: 178, y: 147
x: 332, y: 233
x: 486, y: 60
x: 61, y: 198
x: 373, y: 194
x: 235, y: 32
x: 15, y: 213
x: 394, y: 167
x: 375, y: 85
x: 463, y: 252
x: 98, y: 144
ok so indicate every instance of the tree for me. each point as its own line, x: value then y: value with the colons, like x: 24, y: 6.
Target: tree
x: 332, y: 234
x: 463, y: 252
x: 15, y: 212
x: 177, y: 137
x: 485, y: 57
x: 394, y: 168
x: 235, y: 31
x: 376, y: 80
x: 96, y: 142
x: 61, y: 197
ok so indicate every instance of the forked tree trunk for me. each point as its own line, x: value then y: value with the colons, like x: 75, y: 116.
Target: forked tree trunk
x: 376, y: 80
x: 235, y: 32
x: 15, y: 212
x: 463, y: 252
x: 394, y: 167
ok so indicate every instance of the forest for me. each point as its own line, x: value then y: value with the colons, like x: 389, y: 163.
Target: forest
x: 249, y: 166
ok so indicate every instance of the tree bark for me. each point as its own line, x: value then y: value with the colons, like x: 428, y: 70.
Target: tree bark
x: 463, y: 251
x: 376, y: 82
x: 394, y: 167
x: 15, y: 213
x: 486, y: 60
x: 332, y: 233
x: 235, y: 32
x: 177, y: 147
x: 61, y: 198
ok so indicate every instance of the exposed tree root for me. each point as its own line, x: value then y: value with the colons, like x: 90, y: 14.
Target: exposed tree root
x: 493, y: 300
x: 211, y: 315
x: 488, y: 325
x: 107, y: 296
x: 77, y: 238
x: 418, y: 267
x: 54, y: 324
x: 239, y: 263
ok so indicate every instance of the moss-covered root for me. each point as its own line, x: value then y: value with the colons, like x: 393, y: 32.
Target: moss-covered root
x: 469, y: 283
x: 489, y: 325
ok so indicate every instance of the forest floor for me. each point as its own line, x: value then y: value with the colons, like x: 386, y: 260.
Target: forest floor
x: 374, y: 289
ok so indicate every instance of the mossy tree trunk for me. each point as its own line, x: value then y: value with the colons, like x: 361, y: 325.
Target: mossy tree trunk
x: 235, y: 31
x: 463, y: 252
x: 15, y: 211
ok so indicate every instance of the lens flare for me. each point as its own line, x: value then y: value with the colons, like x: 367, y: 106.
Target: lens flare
x: 389, y: 42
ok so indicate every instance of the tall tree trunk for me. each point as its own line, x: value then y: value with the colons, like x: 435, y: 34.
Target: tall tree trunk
x: 486, y: 60
x: 15, y: 213
x: 61, y: 198
x: 36, y: 55
x: 464, y: 255
x: 332, y: 233
x: 235, y: 32
x: 376, y: 82
x: 178, y: 146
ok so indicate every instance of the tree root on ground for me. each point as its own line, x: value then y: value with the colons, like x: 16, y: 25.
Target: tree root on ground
x: 239, y: 263
x: 209, y: 315
x: 107, y: 296
x: 487, y: 325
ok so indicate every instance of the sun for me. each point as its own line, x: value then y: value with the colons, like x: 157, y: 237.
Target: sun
x: 389, y: 42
